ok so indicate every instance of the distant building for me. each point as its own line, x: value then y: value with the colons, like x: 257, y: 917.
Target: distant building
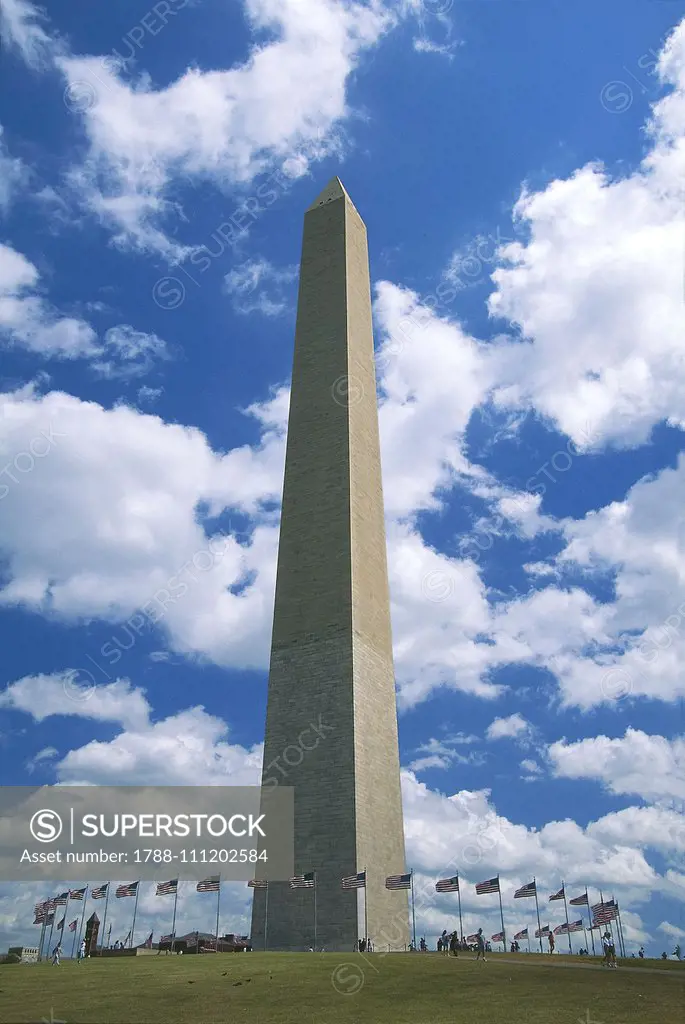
x: 27, y: 954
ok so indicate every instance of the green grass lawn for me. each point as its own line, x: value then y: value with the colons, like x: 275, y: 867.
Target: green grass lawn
x: 332, y: 988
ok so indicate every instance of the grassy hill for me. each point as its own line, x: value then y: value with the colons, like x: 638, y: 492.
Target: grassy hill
x: 331, y: 988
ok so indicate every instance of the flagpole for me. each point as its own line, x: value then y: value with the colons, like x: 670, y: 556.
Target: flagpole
x: 52, y: 925
x: 461, y: 926
x: 104, y: 922
x: 73, y: 944
x: 366, y: 906
x: 173, y: 919
x: 135, y: 908
x: 64, y: 919
x: 83, y: 914
x: 266, y: 918
x: 537, y: 910
x: 218, y: 901
x: 620, y: 929
x: 570, y: 947
x: 42, y: 939
x: 315, y: 887
x: 528, y: 937
x: 501, y: 913
x: 606, y: 923
x: 589, y: 917
x: 413, y: 912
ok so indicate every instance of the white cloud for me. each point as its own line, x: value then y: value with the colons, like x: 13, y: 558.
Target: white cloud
x: 515, y: 726
x: 28, y: 320
x: 652, y: 767
x: 134, y: 540
x: 13, y: 175
x: 71, y: 693
x: 147, y: 394
x: 176, y: 751
x: 226, y: 126
x: 258, y: 287
x: 444, y: 752
x: 671, y: 930
x: 21, y: 30
x: 129, y: 353
x: 46, y: 754
x: 598, y: 289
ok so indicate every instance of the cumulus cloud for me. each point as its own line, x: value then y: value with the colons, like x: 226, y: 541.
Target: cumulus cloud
x: 597, y: 290
x: 278, y: 109
x: 652, y: 767
x: 27, y: 320
x: 71, y: 693
x: 513, y: 727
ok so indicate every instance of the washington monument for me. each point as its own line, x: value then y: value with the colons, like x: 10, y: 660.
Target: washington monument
x: 331, y: 724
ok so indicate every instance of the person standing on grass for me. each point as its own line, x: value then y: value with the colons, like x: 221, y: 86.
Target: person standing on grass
x: 551, y: 941
x: 454, y: 945
x: 56, y: 954
x: 480, y: 946
x: 607, y: 946
x: 81, y: 954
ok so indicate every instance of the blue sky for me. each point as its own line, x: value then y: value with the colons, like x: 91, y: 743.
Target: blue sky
x: 519, y: 167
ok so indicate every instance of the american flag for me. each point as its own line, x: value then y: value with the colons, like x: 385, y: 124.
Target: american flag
x: 357, y: 881
x: 398, y: 881
x: 60, y: 901
x: 127, y: 890
x: 602, y: 913
x: 572, y: 926
x: 166, y: 888
x: 100, y: 892
x: 166, y: 938
x: 211, y: 884
x: 258, y: 883
x: 541, y: 932
x: 579, y: 901
x: 307, y: 881
x: 472, y: 938
x: 521, y: 935
x: 448, y: 884
x: 525, y: 890
x: 72, y: 926
x: 77, y: 894
x: 148, y: 941
x: 60, y: 925
x: 498, y: 937
x: 491, y: 885
x: 557, y: 895
x: 43, y: 910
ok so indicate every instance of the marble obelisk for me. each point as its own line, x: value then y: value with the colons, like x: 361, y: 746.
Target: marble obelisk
x: 331, y: 727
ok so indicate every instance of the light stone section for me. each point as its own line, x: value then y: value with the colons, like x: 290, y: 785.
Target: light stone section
x: 331, y: 728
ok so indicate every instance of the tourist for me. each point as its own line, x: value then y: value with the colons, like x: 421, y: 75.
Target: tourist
x: 81, y: 951
x: 454, y: 945
x: 56, y: 954
x: 439, y: 945
x: 551, y: 941
x: 480, y: 946
x: 608, y: 947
